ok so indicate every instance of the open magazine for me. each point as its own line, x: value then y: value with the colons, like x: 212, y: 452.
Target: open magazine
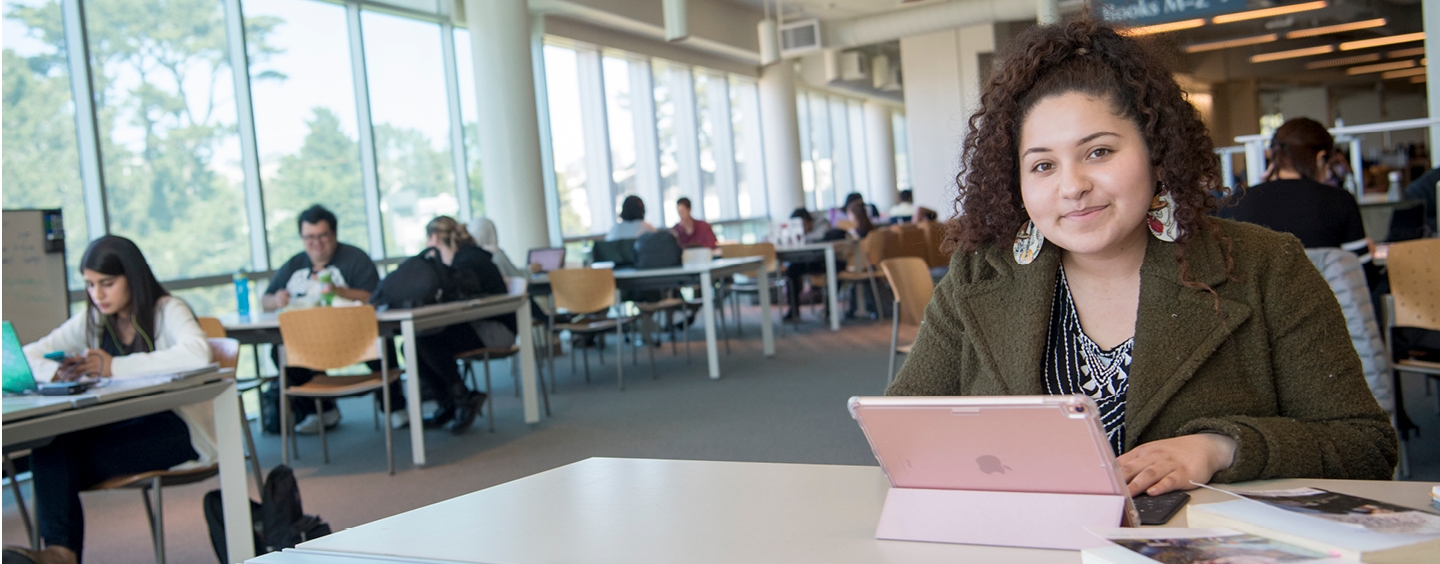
x: 1196, y: 546
x: 1359, y: 512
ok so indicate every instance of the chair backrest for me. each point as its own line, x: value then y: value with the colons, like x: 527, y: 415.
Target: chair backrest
x: 875, y: 247
x: 1342, y: 271
x: 326, y: 338
x: 583, y: 290
x: 1415, y: 283
x: 621, y: 252
x: 212, y: 327
x: 225, y: 351
x: 740, y: 250
x: 910, y: 278
x: 912, y: 242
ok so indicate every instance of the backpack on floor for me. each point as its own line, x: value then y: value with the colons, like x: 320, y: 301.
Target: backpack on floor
x: 279, y: 520
x: 215, y: 521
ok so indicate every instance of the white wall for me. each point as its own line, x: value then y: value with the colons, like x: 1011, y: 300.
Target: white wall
x: 942, y: 90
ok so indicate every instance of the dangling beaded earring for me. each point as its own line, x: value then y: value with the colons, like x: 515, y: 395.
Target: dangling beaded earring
x: 1028, y: 243
x: 1161, y: 217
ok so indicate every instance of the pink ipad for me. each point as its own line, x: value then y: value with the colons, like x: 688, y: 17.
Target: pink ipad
x: 1046, y: 444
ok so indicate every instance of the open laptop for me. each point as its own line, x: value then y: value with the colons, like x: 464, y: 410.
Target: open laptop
x: 18, y: 376
x: 549, y: 258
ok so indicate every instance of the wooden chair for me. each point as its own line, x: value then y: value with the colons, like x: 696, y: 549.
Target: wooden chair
x: 328, y: 338
x: 752, y: 286
x: 590, y: 290
x: 1414, y: 301
x: 212, y: 327
x: 910, y: 279
x: 934, y: 239
x: 518, y: 286
x: 864, y: 257
x: 912, y: 242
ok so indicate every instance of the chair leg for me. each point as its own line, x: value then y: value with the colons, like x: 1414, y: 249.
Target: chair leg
x: 249, y: 444
x: 894, y: 342
x: 489, y: 395
x: 654, y: 373
x: 515, y: 374
x: 586, y: 353
x: 375, y: 417
x: 385, y: 400
x: 619, y: 358
x: 156, y: 514
x: 30, y: 531
x: 670, y: 320
x: 324, y: 447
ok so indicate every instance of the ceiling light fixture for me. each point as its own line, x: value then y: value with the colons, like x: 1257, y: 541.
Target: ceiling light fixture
x: 1402, y: 73
x: 1164, y: 28
x: 1337, y: 28
x: 1228, y: 43
x: 1404, y: 53
x: 1291, y: 54
x: 1382, y: 67
x: 1380, y: 41
x: 1267, y: 12
x: 1342, y: 61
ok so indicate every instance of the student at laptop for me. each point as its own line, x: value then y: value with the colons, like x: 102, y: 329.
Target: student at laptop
x: 632, y: 221
x: 352, y: 277
x: 691, y: 232
x: 1088, y: 264
x: 130, y: 326
x: 483, y: 230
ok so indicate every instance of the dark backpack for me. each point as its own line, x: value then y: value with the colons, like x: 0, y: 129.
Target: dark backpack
x: 657, y: 250
x: 416, y: 282
x: 279, y: 520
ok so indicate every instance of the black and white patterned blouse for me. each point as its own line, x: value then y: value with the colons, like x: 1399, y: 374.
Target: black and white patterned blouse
x: 1076, y: 365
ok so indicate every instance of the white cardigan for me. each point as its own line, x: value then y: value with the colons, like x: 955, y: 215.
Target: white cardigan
x: 179, y: 345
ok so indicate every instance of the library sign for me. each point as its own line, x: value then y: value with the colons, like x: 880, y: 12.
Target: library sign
x: 1148, y: 12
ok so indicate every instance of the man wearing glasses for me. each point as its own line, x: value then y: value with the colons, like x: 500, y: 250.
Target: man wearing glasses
x: 300, y: 283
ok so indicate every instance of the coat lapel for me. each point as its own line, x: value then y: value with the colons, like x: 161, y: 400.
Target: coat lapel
x: 1008, y: 318
x: 1177, y: 328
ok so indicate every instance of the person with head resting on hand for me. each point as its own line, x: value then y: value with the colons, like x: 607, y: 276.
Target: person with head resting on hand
x: 1087, y: 264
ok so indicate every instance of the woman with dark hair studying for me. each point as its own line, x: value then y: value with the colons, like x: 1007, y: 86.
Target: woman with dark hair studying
x: 130, y: 326
x: 1087, y: 264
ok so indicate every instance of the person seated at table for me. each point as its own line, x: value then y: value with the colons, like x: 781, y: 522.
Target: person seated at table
x: 296, y: 283
x: 473, y: 273
x: 632, y: 221
x: 797, y: 271
x: 691, y: 232
x: 903, y: 211
x: 1087, y: 262
x: 859, y: 217
x: 1294, y: 198
x: 1423, y: 190
x: 483, y: 230
x: 130, y: 326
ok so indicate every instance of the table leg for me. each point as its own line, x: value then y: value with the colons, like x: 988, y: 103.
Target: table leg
x: 831, y: 288
x: 527, y: 364
x: 707, y: 298
x: 767, y: 331
x: 412, y: 393
x: 234, y: 494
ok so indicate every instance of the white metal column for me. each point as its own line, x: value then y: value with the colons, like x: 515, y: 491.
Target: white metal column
x: 245, y: 120
x: 842, y: 169
x: 880, y: 147
x: 647, y: 139
x: 369, y: 171
x: 754, y: 150
x: 542, y: 121
x: 594, y: 126
x: 457, y: 122
x: 859, y: 157
x: 687, y: 136
x: 781, y: 134
x: 87, y: 130
x: 723, y: 146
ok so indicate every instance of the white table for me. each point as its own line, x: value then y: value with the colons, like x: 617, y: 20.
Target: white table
x: 638, y: 511
x: 31, y: 421
x: 265, y: 328
x: 826, y: 248
x: 705, y: 274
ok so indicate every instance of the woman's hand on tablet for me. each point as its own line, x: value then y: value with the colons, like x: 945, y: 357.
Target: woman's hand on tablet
x: 1167, y: 465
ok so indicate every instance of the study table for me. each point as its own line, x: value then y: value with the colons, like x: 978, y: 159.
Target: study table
x: 602, y: 510
x: 827, y: 251
x: 31, y: 421
x: 703, y: 274
x: 265, y: 328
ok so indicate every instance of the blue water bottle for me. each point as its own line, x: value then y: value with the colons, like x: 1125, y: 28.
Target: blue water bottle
x: 242, y: 294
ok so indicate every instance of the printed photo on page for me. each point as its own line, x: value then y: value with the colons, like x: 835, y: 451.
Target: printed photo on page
x: 1203, y: 546
x: 1372, y: 515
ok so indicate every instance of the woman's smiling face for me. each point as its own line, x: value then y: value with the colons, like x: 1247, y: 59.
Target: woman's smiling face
x: 1085, y: 174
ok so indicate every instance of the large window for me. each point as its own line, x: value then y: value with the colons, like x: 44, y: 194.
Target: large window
x: 902, y: 151
x: 41, y: 162
x: 167, y: 128
x: 304, y: 100
x: 750, y: 197
x: 666, y: 79
x: 412, y: 127
x: 567, y: 139
x: 465, y: 67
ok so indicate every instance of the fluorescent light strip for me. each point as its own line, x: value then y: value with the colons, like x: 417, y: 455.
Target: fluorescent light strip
x: 1228, y: 43
x: 1380, y: 41
x: 1404, y: 73
x: 1382, y: 67
x: 1337, y: 28
x: 1342, y: 61
x: 1291, y: 54
x: 1164, y: 28
x: 1267, y: 12
x: 1404, y: 53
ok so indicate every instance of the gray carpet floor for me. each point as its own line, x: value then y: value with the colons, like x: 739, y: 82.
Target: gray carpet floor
x: 789, y: 408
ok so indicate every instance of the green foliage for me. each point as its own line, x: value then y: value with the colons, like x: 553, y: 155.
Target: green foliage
x: 326, y: 170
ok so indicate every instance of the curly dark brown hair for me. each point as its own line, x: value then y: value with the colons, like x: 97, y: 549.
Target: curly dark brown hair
x: 1092, y: 58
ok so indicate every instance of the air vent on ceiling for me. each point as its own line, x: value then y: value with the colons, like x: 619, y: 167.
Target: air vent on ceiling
x: 798, y: 38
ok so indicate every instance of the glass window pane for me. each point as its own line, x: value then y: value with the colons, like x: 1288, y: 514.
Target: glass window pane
x: 567, y: 139
x: 840, y: 149
x: 304, y: 98
x: 619, y: 112
x: 469, y: 113
x: 705, y: 120
x: 411, y: 115
x: 807, y: 156
x: 902, y: 151
x: 820, y: 147
x: 41, y: 161
x: 858, y: 156
x: 169, y: 146
x: 665, y: 126
x: 749, y: 153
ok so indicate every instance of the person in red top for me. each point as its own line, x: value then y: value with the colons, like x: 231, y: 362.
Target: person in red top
x: 691, y: 232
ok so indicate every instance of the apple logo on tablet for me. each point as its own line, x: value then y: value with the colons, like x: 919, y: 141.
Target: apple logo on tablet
x: 990, y: 464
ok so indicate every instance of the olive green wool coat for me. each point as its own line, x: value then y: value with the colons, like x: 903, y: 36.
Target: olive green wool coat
x: 1273, y: 369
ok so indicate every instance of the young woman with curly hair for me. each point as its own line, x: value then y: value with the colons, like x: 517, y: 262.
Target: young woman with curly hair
x: 1086, y: 263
